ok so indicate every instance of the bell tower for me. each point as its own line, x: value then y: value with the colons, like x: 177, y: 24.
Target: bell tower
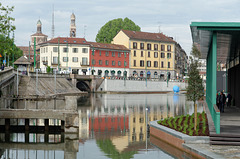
x: 73, y: 26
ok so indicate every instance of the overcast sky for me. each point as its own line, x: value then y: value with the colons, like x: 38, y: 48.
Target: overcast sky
x: 173, y: 17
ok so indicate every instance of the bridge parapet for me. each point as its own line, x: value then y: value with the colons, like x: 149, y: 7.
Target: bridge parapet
x: 5, y: 75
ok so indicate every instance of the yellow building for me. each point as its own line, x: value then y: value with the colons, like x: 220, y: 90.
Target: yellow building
x: 152, y: 54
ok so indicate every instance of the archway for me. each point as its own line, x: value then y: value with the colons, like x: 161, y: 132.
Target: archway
x: 83, y: 86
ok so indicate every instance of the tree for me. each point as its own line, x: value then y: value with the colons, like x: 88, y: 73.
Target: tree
x: 195, y: 89
x: 7, y: 46
x: 111, y: 28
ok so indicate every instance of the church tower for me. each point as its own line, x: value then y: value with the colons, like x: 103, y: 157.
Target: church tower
x: 39, y: 36
x: 39, y: 26
x: 73, y: 26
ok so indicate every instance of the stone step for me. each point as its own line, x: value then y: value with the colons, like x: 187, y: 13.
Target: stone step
x: 225, y: 135
x: 224, y: 143
x: 225, y: 139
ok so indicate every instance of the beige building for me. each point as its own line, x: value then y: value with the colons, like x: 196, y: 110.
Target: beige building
x: 152, y: 54
x: 65, y: 54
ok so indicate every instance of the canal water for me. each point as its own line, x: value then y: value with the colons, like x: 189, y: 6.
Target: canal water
x: 110, y: 126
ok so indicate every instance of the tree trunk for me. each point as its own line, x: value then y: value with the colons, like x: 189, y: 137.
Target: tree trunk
x: 195, y: 116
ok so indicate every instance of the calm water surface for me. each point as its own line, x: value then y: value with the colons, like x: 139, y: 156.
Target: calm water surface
x: 110, y: 126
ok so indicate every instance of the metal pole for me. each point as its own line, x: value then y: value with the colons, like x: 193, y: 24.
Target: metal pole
x: 29, y: 52
x: 55, y: 81
x: 36, y: 81
x: 146, y: 66
x: 34, y: 53
x: 17, y: 81
x: 58, y: 53
x: 124, y: 73
x: 93, y: 61
x: 146, y: 121
x: 67, y: 54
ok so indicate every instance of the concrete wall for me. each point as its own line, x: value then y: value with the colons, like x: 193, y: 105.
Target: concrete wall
x: 109, y: 85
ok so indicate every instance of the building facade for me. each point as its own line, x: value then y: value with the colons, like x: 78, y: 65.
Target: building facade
x: 65, y: 54
x: 152, y: 54
x: 109, y: 60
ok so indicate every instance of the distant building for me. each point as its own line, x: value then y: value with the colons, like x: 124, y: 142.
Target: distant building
x: 39, y: 36
x: 109, y: 59
x: 73, y: 26
x: 181, y: 62
x: 151, y: 53
x: 70, y: 54
x: 202, y: 68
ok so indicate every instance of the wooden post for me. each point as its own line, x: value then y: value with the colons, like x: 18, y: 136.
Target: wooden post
x: 46, y: 123
x: 195, y: 116
x: 26, y: 124
x: 7, y: 124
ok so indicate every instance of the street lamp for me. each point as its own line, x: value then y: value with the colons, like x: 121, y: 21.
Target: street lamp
x: 124, y: 63
x: 92, y: 65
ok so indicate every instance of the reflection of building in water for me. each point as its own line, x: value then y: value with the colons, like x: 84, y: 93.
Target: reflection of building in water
x: 84, y: 123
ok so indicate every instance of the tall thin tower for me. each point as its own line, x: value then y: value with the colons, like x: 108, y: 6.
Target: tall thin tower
x: 53, y: 23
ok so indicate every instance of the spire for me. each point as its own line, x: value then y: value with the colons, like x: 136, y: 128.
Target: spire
x: 73, y: 26
x: 39, y: 26
x: 53, y: 28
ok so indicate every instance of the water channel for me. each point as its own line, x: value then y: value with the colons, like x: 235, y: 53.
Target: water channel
x: 110, y: 126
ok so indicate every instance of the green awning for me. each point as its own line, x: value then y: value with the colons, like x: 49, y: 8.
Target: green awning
x: 119, y: 72
x: 113, y: 71
x: 106, y: 71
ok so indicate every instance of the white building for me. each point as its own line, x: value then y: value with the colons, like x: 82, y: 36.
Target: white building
x: 62, y: 53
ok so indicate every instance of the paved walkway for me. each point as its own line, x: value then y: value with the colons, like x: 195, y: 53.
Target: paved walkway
x: 230, y: 123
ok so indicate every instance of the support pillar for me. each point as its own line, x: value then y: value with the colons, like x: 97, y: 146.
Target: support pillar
x: 7, y: 124
x: 46, y: 124
x: 26, y: 124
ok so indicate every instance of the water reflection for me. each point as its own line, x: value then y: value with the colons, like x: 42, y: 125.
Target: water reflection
x: 110, y: 126
x: 118, y: 122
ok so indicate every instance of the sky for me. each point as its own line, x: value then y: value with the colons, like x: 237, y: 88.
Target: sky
x: 171, y: 17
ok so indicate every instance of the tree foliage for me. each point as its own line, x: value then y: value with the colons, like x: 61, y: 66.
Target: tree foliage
x: 195, y: 89
x: 111, y: 28
x: 7, y: 46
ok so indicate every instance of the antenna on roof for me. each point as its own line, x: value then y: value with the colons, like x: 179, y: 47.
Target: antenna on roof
x: 53, y: 22
x: 159, y: 30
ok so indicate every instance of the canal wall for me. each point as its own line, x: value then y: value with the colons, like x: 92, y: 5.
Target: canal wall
x: 44, y: 85
x: 114, y: 85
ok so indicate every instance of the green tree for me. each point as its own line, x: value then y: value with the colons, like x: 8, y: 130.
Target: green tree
x: 195, y: 89
x: 7, y: 46
x: 111, y: 28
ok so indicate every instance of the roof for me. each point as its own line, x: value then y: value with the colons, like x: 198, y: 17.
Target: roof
x: 65, y: 40
x: 22, y: 61
x: 148, y: 36
x: 226, y: 31
x: 38, y: 34
x: 107, y: 46
x: 25, y: 50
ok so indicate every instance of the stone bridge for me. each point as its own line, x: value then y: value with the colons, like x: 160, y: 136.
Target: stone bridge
x: 89, y: 83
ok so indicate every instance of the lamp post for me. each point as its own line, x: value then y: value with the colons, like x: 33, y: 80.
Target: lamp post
x: 92, y: 69
x: 34, y: 53
x: 124, y: 63
x: 167, y: 71
x: 146, y: 66
x: 58, y: 53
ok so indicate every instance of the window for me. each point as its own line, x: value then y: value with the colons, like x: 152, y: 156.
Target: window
x: 141, y: 63
x: 100, y: 62
x: 155, y: 64
x: 119, y: 54
x: 155, y: 46
x: 119, y: 63
x: 141, y: 120
x: 55, y: 49
x: 162, y: 64
x: 93, y: 62
x: 134, y: 62
x: 141, y: 53
x: 100, y: 53
x: 125, y: 63
x: 113, y: 63
x: 168, y: 55
x: 149, y: 46
x: 65, y: 49
x: 46, y: 49
x: 162, y: 55
x: 84, y: 50
x: 168, y: 47
x: 107, y: 53
x: 65, y: 59
x: 75, y: 59
x: 168, y: 64
x: 84, y: 61
x: 148, y: 63
x: 141, y: 45
x: 106, y: 62
x: 134, y: 45
x: 55, y: 60
x: 113, y: 54
x: 148, y: 53
x: 155, y: 54
x: 162, y: 47
x: 134, y: 53
x: 75, y: 50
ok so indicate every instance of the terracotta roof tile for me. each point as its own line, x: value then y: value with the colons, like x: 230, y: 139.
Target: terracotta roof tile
x: 148, y: 36
x: 65, y: 40
x: 108, y: 46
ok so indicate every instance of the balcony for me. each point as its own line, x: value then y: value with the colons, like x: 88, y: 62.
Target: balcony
x: 84, y: 64
x: 45, y: 62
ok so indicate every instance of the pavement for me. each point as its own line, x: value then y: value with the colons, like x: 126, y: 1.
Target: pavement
x: 230, y: 123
